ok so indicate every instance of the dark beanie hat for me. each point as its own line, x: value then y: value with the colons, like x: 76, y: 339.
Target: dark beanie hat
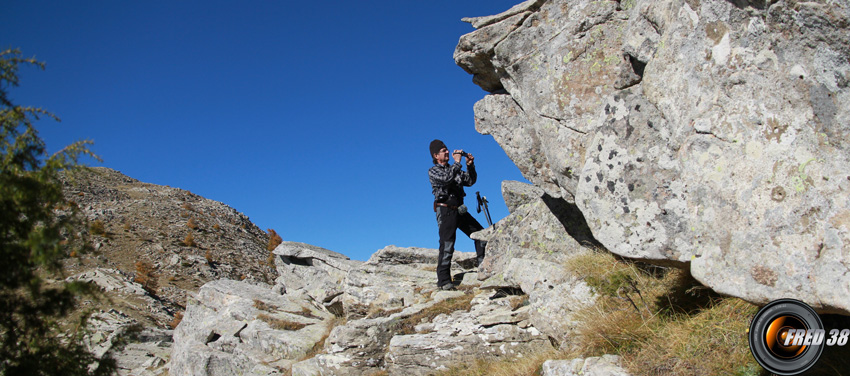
x: 436, y: 146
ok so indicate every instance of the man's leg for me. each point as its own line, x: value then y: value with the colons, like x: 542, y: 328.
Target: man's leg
x: 447, y: 222
x: 468, y: 224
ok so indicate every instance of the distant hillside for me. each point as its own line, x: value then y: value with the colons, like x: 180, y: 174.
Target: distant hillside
x: 131, y: 221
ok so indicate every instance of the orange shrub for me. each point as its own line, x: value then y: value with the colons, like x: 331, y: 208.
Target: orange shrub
x: 146, y: 276
x: 274, y: 240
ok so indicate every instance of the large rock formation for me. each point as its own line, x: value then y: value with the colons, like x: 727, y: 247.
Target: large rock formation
x: 234, y: 327
x: 711, y: 135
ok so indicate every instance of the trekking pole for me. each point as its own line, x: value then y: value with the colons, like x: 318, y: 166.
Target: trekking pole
x: 483, y: 201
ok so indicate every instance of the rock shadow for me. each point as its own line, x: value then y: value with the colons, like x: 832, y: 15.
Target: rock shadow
x: 573, y: 221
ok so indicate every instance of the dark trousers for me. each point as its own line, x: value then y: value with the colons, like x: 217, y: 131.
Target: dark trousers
x: 449, y: 221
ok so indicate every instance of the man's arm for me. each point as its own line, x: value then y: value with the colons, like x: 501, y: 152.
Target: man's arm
x: 470, y: 176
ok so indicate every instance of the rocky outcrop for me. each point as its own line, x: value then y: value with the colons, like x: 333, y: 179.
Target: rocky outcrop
x: 422, y: 258
x: 359, y: 346
x: 234, y: 327
x: 395, y: 319
x: 136, y: 349
x: 608, y: 365
x: 313, y: 271
x: 710, y: 135
x: 488, y: 330
x: 517, y: 194
x: 528, y: 250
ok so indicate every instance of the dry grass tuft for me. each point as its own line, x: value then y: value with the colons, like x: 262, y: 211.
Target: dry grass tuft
x: 407, y: 325
x: 192, y: 224
x: 376, y: 312
x: 661, y: 320
x: 263, y: 306
x: 710, y: 342
x: 280, y: 324
x: 176, y: 321
x: 306, y: 312
x: 528, y: 365
x: 189, y: 240
x: 97, y: 228
x: 319, y: 346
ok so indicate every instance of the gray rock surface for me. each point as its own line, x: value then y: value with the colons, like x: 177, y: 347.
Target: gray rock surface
x: 554, y: 295
x: 710, y: 135
x: 110, y: 280
x: 419, y: 257
x: 517, y: 194
x: 237, y: 328
x: 136, y: 350
x: 311, y: 270
x: 397, y: 277
x: 374, y: 286
x: 358, y: 347
x: 606, y: 365
x: 546, y: 229
x: 486, y: 331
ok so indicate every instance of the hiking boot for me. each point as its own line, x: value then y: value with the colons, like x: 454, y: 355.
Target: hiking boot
x: 448, y: 287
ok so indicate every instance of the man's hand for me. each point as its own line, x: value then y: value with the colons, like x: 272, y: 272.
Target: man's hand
x: 469, y: 159
x: 456, y: 155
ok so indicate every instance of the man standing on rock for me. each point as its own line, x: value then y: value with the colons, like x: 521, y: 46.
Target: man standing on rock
x: 447, y: 182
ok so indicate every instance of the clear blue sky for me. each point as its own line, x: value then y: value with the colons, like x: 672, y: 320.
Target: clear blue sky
x: 312, y: 118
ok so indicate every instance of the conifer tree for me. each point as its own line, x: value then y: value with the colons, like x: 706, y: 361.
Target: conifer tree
x: 38, y: 227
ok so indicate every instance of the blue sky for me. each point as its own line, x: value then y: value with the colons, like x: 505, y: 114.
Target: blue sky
x: 312, y: 118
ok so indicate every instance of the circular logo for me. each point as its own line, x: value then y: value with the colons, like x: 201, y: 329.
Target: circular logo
x: 784, y: 337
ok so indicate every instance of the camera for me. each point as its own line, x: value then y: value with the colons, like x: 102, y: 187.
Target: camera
x: 463, y: 154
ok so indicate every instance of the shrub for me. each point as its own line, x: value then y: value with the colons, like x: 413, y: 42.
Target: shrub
x: 146, y: 276
x: 176, y: 321
x: 192, y: 224
x: 274, y: 240
x: 408, y: 324
x: 189, y: 240
x: 97, y: 228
